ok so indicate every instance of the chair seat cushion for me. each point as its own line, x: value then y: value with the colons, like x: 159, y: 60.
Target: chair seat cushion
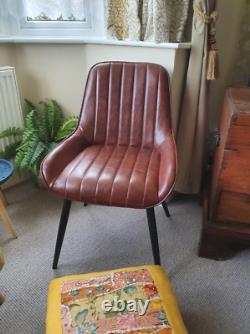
x: 75, y: 303
x: 115, y: 175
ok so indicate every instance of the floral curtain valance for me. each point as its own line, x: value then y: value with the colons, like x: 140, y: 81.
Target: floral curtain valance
x: 147, y: 20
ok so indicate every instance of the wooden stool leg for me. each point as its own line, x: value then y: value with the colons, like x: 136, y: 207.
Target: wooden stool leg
x: 1, y: 298
x: 6, y: 220
x: 3, y: 198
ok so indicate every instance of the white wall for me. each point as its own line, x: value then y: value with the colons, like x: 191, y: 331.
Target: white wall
x: 60, y: 71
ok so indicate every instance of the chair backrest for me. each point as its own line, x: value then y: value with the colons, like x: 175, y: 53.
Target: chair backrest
x: 126, y: 103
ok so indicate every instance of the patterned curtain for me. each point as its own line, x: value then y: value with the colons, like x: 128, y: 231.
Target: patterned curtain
x: 147, y: 20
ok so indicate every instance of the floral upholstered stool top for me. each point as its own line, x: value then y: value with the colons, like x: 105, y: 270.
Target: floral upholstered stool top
x: 136, y: 300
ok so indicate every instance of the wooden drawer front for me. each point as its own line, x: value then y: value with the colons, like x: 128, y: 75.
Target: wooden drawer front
x: 241, y: 119
x: 233, y: 208
x: 239, y: 136
x: 235, y: 174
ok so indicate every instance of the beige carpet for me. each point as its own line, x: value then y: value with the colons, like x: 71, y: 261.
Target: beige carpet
x: 214, y: 297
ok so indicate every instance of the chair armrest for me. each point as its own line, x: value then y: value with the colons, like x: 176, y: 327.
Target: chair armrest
x: 54, y: 163
x: 168, y: 167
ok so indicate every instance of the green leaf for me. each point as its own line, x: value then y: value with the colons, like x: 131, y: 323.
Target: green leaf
x: 38, y: 152
x: 53, y: 117
x: 10, y: 151
x: 43, y: 130
x: 29, y: 106
x: 11, y: 132
x: 66, y: 128
x: 18, y: 160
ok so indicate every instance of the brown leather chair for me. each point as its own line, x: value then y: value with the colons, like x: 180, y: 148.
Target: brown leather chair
x: 123, y: 151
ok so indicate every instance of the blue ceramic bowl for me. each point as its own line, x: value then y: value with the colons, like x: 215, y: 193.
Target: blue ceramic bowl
x: 6, y: 170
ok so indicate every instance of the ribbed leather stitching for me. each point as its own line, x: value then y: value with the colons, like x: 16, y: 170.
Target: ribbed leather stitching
x: 156, y: 109
x: 102, y: 169
x: 115, y: 174
x: 71, y: 171
x: 132, y: 171
x: 109, y: 98
x: 86, y: 170
x: 146, y: 176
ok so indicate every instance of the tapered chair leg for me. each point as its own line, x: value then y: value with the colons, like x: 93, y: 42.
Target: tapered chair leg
x: 165, y: 207
x: 153, y: 235
x: 61, y: 231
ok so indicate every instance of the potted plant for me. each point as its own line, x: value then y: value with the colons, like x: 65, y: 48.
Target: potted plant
x: 44, y: 128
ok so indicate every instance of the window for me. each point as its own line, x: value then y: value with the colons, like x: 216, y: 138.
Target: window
x: 54, y: 10
x: 55, y: 14
x: 52, y: 18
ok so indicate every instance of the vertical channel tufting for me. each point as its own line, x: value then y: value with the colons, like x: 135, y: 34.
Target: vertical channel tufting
x: 96, y: 101
x: 102, y: 106
x: 75, y: 164
x: 144, y: 103
x: 91, y: 162
x: 102, y: 169
x: 114, y: 104
x: 120, y: 106
x: 156, y: 109
x: 132, y: 105
x: 146, y: 178
x: 135, y: 97
x: 87, y: 117
x: 132, y: 118
x: 109, y: 102
x: 130, y: 178
x: 105, y: 125
x: 116, y: 173
x: 125, y: 104
x: 137, y: 117
x: 144, y: 119
x: 150, y: 107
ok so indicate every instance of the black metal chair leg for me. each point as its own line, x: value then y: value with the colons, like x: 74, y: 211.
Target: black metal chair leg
x: 153, y: 235
x: 165, y: 207
x: 61, y: 231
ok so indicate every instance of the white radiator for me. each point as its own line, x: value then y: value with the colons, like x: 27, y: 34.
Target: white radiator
x: 10, y: 107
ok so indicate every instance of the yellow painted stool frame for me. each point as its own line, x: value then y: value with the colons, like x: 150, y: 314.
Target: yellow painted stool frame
x: 4, y: 215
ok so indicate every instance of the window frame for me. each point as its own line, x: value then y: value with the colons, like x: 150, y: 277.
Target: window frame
x: 92, y: 27
x: 25, y: 24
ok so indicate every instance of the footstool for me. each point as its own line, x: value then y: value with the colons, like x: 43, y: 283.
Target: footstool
x: 137, y: 300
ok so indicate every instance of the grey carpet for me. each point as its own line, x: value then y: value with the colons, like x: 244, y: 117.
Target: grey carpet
x: 213, y: 296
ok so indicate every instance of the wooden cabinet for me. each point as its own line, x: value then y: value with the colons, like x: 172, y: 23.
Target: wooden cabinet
x: 226, y: 226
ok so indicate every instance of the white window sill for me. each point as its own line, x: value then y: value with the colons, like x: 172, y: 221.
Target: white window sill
x: 89, y: 40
